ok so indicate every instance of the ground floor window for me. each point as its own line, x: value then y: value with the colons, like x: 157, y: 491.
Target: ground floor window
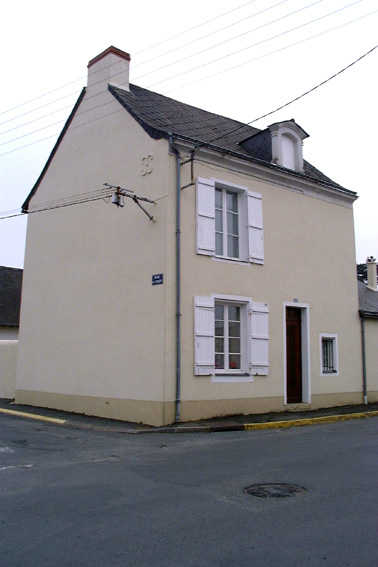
x: 328, y: 354
x: 228, y: 337
x: 231, y: 337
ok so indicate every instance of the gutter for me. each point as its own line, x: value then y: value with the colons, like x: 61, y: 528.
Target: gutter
x: 178, y: 278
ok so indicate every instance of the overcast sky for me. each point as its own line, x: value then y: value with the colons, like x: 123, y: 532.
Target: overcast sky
x: 236, y: 58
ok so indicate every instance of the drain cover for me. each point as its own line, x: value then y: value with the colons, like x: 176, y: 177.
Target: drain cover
x: 274, y: 490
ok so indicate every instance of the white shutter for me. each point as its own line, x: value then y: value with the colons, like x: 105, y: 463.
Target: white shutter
x: 259, y: 354
x: 204, y: 336
x: 205, y: 193
x: 255, y: 228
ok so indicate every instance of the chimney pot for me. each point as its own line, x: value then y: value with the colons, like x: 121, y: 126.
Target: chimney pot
x: 112, y: 66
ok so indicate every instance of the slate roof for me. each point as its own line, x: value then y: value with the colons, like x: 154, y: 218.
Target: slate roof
x: 368, y: 301
x: 10, y: 296
x: 161, y: 116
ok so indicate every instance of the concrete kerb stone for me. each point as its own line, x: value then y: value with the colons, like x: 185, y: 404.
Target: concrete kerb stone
x: 210, y: 427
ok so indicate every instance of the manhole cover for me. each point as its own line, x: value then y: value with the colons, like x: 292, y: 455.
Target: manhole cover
x: 274, y: 490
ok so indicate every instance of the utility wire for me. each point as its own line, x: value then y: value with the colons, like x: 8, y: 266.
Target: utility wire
x: 138, y: 53
x: 101, y: 194
x: 193, y: 82
x: 134, y: 66
x: 163, y: 67
x: 238, y: 36
x: 254, y: 45
x: 263, y: 41
x: 169, y: 52
x: 195, y: 27
x: 233, y: 67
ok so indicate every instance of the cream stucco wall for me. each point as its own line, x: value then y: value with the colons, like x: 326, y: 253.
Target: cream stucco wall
x: 97, y: 337
x: 92, y: 324
x: 8, y: 368
x: 371, y: 349
x: 309, y: 257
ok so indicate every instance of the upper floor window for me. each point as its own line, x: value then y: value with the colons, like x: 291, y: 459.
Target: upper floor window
x: 287, y: 138
x: 229, y: 221
x: 226, y: 223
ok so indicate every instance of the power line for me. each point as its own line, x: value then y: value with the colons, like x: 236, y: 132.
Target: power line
x: 195, y: 27
x: 297, y: 98
x: 254, y: 45
x: 238, y: 36
x: 191, y: 83
x: 138, y: 53
x: 210, y: 34
x: 175, y: 62
x: 103, y: 194
x: 233, y: 67
x: 97, y: 195
x: 151, y: 72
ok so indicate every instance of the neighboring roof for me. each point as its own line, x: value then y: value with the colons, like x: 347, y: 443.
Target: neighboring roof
x: 161, y: 116
x: 368, y: 301
x: 10, y: 296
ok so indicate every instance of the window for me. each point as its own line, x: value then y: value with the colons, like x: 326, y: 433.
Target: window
x: 328, y: 354
x: 226, y: 223
x: 231, y: 337
x: 227, y: 337
x: 229, y: 221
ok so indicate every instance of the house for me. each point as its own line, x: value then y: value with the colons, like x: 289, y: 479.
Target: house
x: 222, y: 283
x: 368, y: 310
x: 10, y: 301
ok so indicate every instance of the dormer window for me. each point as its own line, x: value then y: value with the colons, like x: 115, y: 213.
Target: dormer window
x: 287, y: 138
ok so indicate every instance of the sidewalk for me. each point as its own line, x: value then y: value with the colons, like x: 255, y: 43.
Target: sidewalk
x: 230, y: 423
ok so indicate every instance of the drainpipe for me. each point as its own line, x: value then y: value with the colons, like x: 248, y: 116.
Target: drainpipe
x: 178, y: 279
x: 364, y: 383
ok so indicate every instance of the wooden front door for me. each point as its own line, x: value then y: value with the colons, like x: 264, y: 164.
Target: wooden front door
x: 293, y: 355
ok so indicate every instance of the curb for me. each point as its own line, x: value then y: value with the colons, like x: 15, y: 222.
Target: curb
x: 200, y: 428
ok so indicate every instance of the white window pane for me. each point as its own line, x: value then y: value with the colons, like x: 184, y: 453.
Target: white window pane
x: 231, y: 201
x: 219, y: 244
x: 233, y: 246
x: 234, y: 346
x: 234, y: 362
x: 232, y: 224
x: 218, y: 221
x: 234, y: 329
x: 219, y: 361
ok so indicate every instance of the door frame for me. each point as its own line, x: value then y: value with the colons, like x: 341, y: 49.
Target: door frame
x: 305, y: 348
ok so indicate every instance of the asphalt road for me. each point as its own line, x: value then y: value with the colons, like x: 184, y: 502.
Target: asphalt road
x: 72, y: 497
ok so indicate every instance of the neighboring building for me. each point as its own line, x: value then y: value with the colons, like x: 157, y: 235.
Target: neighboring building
x: 368, y: 303
x: 239, y: 297
x: 10, y: 301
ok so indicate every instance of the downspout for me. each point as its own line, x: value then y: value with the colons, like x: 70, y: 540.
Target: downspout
x: 364, y: 382
x: 178, y: 279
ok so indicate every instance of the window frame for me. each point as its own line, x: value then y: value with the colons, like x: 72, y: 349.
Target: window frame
x: 250, y: 221
x: 335, y: 354
x: 254, y: 343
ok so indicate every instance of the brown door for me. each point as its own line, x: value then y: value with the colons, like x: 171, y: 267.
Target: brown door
x: 293, y: 355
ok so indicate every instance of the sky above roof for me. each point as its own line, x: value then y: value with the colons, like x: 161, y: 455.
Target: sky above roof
x: 240, y: 60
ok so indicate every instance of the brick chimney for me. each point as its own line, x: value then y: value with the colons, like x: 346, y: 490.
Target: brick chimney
x: 112, y: 66
x: 371, y: 265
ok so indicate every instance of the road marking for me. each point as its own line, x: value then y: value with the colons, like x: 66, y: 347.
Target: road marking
x: 33, y: 416
x: 16, y: 467
x: 308, y: 421
x: 6, y: 450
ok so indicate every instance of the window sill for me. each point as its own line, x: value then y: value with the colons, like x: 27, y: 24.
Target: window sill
x: 230, y: 260
x: 231, y: 378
